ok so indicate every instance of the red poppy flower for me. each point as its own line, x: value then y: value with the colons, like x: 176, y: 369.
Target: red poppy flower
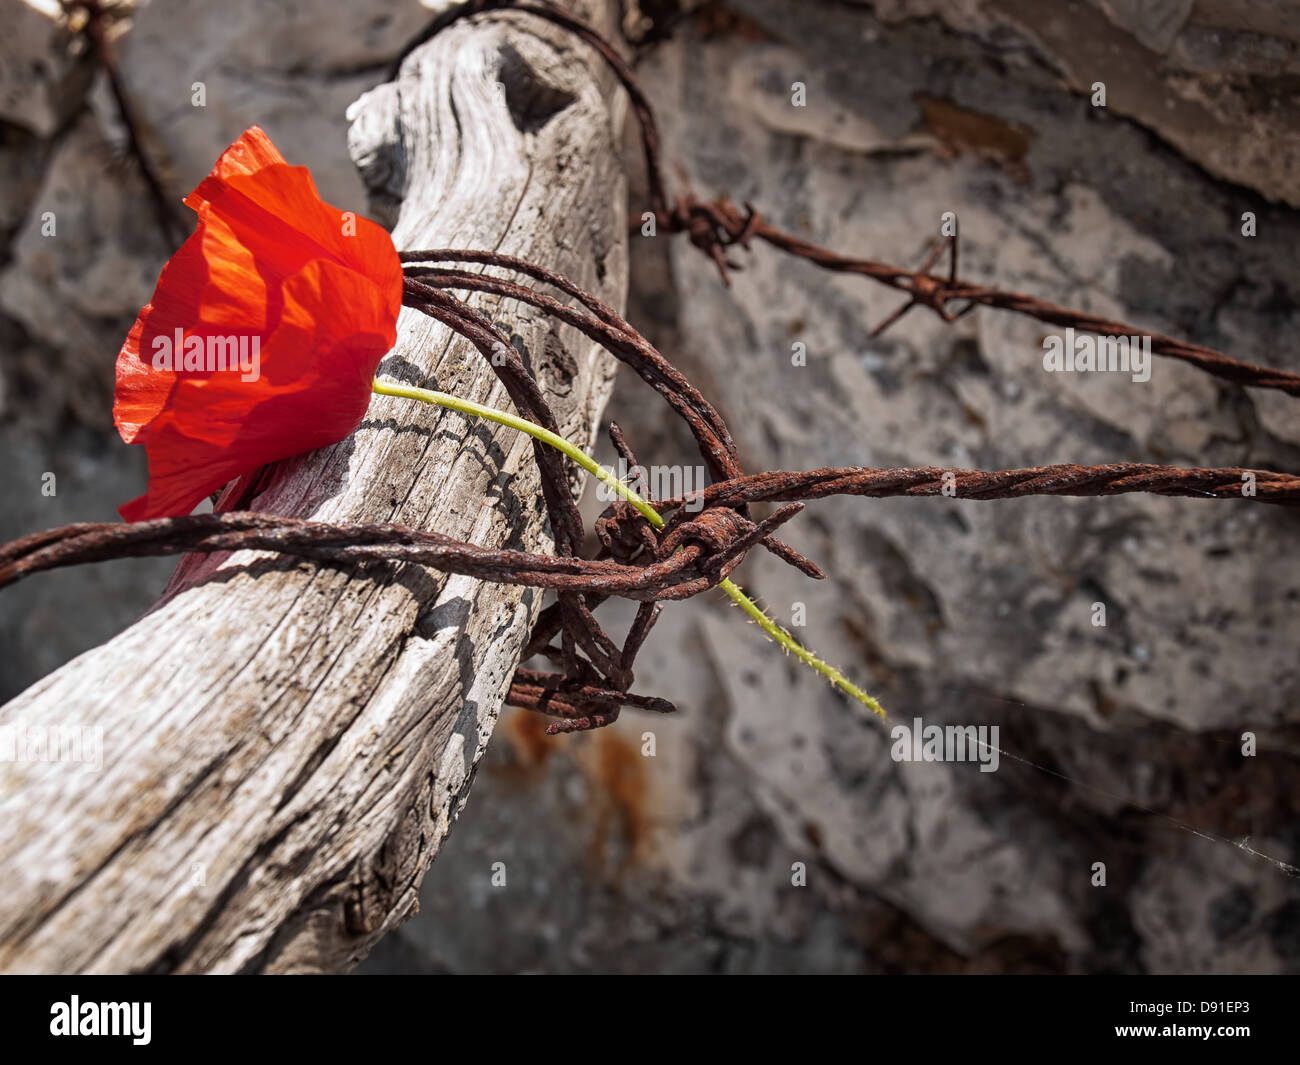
x: 263, y: 335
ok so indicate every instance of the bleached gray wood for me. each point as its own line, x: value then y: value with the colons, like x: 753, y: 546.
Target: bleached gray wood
x: 285, y: 746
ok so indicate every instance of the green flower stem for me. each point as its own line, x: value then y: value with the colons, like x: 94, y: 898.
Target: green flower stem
x: 465, y: 406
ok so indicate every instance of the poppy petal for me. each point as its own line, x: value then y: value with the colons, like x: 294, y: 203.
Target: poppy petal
x: 271, y: 275
x: 312, y: 390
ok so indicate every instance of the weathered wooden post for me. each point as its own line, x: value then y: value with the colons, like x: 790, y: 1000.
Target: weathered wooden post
x: 285, y: 746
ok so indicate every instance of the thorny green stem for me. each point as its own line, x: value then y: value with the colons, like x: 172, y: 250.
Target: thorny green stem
x: 788, y: 642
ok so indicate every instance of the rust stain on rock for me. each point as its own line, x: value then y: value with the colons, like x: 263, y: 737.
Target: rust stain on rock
x: 963, y: 131
x: 618, y: 806
x: 530, y: 747
x: 720, y: 20
x: 621, y: 791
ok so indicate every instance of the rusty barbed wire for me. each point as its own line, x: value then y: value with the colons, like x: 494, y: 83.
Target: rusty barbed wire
x: 937, y: 294
x: 692, y: 553
x: 697, y: 555
x: 715, y: 226
x: 1061, y: 479
x: 699, y: 544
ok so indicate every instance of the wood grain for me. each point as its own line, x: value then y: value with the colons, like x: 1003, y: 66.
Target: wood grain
x: 284, y: 747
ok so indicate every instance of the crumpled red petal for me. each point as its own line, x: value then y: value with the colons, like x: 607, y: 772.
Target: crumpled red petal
x: 314, y: 291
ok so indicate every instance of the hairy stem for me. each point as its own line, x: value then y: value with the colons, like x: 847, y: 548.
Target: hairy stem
x: 770, y: 627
